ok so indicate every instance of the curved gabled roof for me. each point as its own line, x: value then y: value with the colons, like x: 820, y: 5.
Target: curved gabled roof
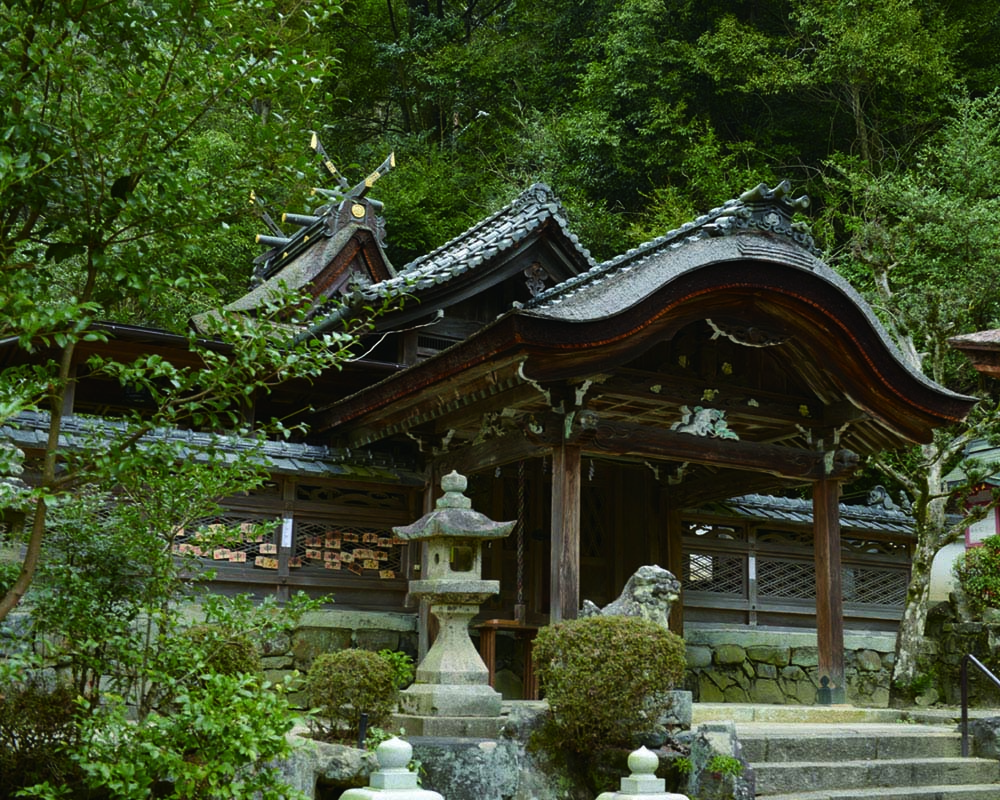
x: 750, y: 282
x: 745, y: 272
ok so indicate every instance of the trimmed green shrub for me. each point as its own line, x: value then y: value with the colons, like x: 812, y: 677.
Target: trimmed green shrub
x: 38, y: 729
x: 978, y: 573
x: 599, y: 675
x: 226, y: 653
x: 344, y: 685
x: 402, y: 667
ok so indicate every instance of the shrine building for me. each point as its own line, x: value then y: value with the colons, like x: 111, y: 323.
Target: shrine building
x: 641, y: 410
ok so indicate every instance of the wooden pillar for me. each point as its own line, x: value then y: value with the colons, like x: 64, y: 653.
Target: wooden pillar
x: 564, y: 587
x: 675, y: 560
x: 69, y: 396
x: 424, y: 618
x: 667, y: 551
x: 286, y: 539
x: 829, y: 591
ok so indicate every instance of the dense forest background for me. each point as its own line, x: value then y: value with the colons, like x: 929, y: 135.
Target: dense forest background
x: 132, y: 133
x: 640, y: 114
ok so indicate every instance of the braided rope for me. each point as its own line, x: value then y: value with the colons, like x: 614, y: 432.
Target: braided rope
x: 520, y: 533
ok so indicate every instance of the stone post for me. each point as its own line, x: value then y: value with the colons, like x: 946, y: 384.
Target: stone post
x: 642, y: 783
x: 393, y: 780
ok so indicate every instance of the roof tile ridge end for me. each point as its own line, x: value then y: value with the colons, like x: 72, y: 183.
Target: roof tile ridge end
x: 539, y: 194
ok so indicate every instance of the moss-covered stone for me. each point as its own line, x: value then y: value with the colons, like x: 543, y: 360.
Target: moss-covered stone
x: 709, y: 691
x: 276, y: 643
x: 698, y: 657
x: 282, y: 662
x: 309, y: 643
x: 377, y: 639
x: 766, y: 691
x: 778, y: 656
x: 736, y: 694
x: 868, y: 661
x: 730, y: 654
x: 803, y: 691
x: 805, y: 656
x: 767, y: 671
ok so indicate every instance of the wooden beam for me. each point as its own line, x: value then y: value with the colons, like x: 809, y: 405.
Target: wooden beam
x: 829, y: 589
x: 490, y: 454
x: 785, y: 462
x: 425, y: 636
x: 747, y: 403
x: 564, y: 587
x: 478, y: 391
x: 724, y: 484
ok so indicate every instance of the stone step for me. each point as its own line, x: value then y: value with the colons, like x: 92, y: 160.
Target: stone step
x: 810, y: 776
x: 986, y: 791
x: 770, y: 742
x: 829, y: 715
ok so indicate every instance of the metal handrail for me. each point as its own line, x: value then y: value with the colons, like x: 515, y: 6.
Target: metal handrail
x: 965, y: 695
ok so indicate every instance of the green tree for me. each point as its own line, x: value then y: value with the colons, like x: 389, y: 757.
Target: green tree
x: 128, y: 131
x: 814, y: 78
x: 921, y: 244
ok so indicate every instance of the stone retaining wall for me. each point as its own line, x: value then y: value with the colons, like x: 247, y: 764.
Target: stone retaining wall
x: 331, y: 630
x: 736, y: 665
x: 740, y: 665
x: 951, y: 633
x: 318, y: 632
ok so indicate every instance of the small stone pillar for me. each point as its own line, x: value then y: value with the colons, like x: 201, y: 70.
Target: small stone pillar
x: 452, y: 690
x: 642, y: 784
x: 393, y: 780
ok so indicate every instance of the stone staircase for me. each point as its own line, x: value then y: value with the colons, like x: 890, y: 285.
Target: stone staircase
x: 842, y: 753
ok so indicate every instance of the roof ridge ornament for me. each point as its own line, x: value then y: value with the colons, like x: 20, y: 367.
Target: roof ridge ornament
x: 769, y: 210
x: 345, y: 205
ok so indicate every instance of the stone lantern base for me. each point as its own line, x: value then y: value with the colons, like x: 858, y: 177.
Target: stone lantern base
x: 450, y: 727
x: 450, y: 709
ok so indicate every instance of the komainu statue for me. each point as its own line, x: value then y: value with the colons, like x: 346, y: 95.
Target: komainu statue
x: 649, y: 593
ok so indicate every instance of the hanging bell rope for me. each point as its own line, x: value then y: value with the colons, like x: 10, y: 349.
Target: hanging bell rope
x: 519, y: 609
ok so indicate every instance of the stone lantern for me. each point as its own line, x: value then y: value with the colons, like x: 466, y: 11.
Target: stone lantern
x: 451, y: 694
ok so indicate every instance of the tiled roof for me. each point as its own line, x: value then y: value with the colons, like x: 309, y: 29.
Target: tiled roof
x: 493, y: 236
x: 721, y: 235
x: 880, y: 516
x: 760, y: 209
x: 30, y: 430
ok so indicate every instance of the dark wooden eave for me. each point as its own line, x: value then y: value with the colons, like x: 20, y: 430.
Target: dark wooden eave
x: 599, y: 349
x: 982, y: 349
x: 854, y: 377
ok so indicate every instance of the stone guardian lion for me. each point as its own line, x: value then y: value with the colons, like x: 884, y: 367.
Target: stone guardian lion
x: 649, y: 593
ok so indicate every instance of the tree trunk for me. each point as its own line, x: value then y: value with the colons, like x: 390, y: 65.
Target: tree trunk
x: 33, y: 551
x: 909, y: 639
x: 933, y: 533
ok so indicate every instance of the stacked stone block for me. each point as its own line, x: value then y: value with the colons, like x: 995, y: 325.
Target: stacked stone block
x: 741, y: 666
